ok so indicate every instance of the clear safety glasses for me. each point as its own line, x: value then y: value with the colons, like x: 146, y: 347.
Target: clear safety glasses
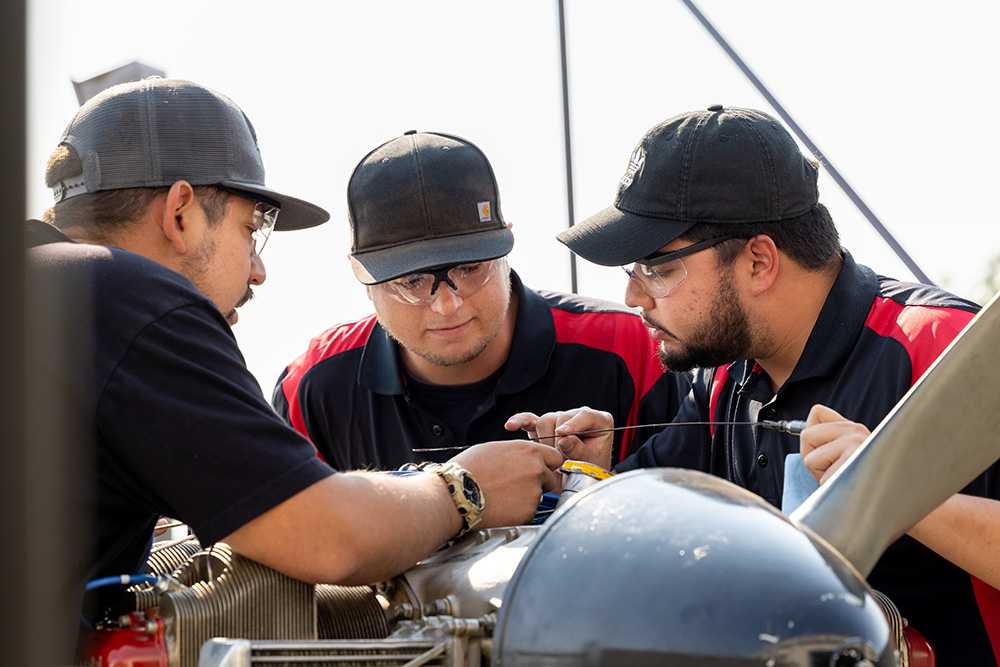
x: 265, y: 216
x: 658, y: 281
x: 462, y: 279
x: 660, y: 275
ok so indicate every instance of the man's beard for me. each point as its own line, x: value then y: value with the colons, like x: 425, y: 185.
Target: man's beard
x: 455, y: 360
x: 195, y: 265
x: 725, y: 338
x: 478, y: 347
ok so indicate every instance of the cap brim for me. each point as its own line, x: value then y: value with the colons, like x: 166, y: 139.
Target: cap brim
x: 295, y: 213
x: 613, y: 237
x: 377, y: 266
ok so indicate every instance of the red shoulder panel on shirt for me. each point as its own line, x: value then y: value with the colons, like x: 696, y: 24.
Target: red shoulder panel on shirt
x: 988, y: 600
x: 923, y: 331
x: 331, y: 342
x: 619, y: 333
x: 718, y: 382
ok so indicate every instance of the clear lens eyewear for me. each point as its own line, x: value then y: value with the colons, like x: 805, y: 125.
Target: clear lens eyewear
x: 463, y: 280
x: 660, y: 280
x: 265, y: 216
x: 661, y: 274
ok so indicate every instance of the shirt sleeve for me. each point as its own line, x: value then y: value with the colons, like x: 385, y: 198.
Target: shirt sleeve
x: 189, y: 433
x: 678, y: 446
x: 278, y: 399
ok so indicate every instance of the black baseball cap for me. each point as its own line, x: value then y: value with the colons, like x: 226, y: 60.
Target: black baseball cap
x: 420, y: 201
x: 155, y: 132
x: 719, y: 166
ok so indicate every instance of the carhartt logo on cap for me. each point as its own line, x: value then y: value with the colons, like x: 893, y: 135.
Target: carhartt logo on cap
x: 635, y: 165
x: 484, y: 212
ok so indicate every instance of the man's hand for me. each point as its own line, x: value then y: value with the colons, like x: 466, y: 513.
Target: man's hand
x: 828, y: 440
x: 556, y: 428
x: 512, y: 475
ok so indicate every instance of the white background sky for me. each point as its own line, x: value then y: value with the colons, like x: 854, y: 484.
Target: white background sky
x: 900, y: 96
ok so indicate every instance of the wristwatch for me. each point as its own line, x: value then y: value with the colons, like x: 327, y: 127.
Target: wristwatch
x: 465, y: 493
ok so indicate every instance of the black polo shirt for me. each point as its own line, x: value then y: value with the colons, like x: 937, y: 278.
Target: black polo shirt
x: 873, y: 339
x: 349, y: 394
x: 178, y: 424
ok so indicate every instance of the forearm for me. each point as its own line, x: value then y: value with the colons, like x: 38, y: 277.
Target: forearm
x: 966, y: 531
x: 353, y: 528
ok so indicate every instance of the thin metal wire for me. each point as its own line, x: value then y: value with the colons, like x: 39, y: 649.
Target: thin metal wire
x: 456, y: 448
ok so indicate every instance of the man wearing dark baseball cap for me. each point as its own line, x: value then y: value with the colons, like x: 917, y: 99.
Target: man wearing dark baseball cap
x: 161, y: 214
x: 457, y: 342
x: 738, y: 270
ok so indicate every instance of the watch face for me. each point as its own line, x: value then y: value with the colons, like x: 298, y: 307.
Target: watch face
x: 471, y: 490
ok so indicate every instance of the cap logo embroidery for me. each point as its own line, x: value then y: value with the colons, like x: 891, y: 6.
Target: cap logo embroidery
x: 635, y: 166
x: 484, y: 211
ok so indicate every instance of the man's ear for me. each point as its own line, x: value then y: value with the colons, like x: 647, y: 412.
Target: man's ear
x: 765, y: 262
x: 177, y: 218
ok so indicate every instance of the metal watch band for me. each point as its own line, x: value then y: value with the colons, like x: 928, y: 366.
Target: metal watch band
x: 454, y: 478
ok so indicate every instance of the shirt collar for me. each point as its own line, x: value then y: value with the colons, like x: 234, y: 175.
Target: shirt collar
x: 380, y: 370
x: 38, y: 233
x: 534, y: 338
x: 839, y: 323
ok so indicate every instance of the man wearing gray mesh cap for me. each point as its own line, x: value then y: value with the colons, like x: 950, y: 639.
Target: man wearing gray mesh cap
x: 161, y: 213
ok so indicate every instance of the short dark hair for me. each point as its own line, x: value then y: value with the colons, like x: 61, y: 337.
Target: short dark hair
x: 811, y: 239
x: 109, y: 211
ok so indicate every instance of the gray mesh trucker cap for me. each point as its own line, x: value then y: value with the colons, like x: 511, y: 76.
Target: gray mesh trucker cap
x: 423, y: 200
x: 720, y: 166
x: 154, y: 132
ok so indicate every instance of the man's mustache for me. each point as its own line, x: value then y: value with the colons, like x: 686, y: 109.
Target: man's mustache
x: 653, y: 325
x: 246, y: 297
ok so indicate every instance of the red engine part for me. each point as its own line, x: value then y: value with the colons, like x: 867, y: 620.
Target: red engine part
x: 920, y: 650
x: 138, y: 641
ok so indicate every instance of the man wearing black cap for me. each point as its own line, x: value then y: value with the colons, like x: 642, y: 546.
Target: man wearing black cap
x: 738, y: 269
x: 161, y: 214
x: 457, y: 343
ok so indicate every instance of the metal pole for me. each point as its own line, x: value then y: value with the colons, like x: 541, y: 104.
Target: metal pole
x: 813, y: 148
x: 14, y: 480
x: 567, y: 140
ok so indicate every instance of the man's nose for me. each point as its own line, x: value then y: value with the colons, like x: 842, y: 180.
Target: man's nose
x: 258, y: 274
x: 446, y: 300
x: 636, y: 297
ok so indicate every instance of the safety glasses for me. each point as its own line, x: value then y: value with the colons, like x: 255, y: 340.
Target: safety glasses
x: 463, y: 280
x: 659, y: 275
x: 265, y: 216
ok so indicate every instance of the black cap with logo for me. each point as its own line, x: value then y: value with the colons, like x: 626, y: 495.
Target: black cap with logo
x: 155, y: 132
x: 719, y: 166
x: 423, y: 200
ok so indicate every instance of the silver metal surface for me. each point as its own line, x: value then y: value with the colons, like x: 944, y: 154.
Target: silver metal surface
x: 943, y: 433
x: 467, y: 580
x: 222, y: 652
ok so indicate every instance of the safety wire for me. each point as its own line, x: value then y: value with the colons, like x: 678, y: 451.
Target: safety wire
x: 792, y: 427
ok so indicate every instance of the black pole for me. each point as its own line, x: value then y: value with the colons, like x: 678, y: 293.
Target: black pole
x: 813, y: 148
x: 46, y: 477
x: 567, y: 140
x: 15, y: 558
